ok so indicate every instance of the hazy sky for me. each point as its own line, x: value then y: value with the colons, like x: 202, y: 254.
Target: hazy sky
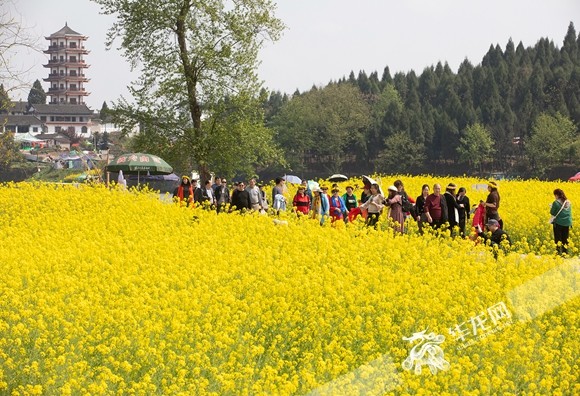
x: 325, y: 39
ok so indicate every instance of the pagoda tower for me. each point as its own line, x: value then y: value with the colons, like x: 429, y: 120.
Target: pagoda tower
x: 66, y: 67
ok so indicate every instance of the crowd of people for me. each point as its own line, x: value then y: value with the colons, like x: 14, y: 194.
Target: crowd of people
x: 431, y: 210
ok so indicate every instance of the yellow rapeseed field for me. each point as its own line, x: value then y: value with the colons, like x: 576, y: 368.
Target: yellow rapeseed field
x: 111, y: 292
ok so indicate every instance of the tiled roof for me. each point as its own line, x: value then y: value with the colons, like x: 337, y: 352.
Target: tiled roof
x: 18, y: 106
x: 61, y: 109
x: 65, y: 31
x: 20, y: 120
x: 55, y: 136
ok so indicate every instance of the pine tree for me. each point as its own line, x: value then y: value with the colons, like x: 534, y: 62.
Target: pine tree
x: 363, y: 83
x: 386, y: 77
x: 4, y: 99
x: 427, y: 85
x: 570, y: 45
x: 352, y: 78
x: 400, y: 83
x: 37, y: 94
x: 104, y: 114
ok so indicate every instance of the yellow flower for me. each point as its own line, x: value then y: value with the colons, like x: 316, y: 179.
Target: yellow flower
x: 115, y: 292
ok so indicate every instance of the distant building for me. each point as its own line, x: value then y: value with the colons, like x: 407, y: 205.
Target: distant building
x: 66, y: 67
x: 66, y: 111
x: 20, y: 123
x: 17, y: 108
x: 55, y: 140
x: 64, y: 117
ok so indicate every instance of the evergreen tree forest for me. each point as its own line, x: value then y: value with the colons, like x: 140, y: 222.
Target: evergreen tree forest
x: 502, y: 115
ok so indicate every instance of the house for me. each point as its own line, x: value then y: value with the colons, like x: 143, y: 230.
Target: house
x: 21, y: 123
x: 56, y: 140
x: 17, y: 107
x: 74, y: 118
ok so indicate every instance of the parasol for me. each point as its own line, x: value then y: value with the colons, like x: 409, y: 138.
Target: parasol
x: 135, y: 163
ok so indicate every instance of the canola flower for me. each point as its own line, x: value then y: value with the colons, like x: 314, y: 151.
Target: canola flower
x: 114, y: 292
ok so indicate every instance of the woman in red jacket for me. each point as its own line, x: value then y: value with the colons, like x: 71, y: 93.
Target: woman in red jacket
x: 301, y: 201
x: 184, y: 191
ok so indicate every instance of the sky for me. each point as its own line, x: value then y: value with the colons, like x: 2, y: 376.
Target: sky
x: 324, y: 39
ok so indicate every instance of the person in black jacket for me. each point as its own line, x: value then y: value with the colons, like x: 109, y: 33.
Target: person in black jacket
x: 495, y: 236
x: 464, y: 208
x: 452, y: 206
x: 197, y: 193
x: 419, y: 207
x: 222, y: 195
x: 241, y: 198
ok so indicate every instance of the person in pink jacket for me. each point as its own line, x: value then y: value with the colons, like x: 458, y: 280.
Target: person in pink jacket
x: 394, y: 202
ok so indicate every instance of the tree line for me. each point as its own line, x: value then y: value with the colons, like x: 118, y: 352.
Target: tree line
x: 199, y: 106
x: 516, y: 112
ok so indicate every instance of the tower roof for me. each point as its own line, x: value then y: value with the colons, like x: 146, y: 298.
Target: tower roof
x: 65, y: 31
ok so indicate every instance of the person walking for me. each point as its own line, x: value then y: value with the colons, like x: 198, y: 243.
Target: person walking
x: 217, y: 182
x: 278, y: 188
x: 208, y: 194
x: 395, y: 203
x: 222, y: 195
x: 320, y: 205
x: 492, y: 204
x: 364, y: 196
x: 452, y: 207
x: 464, y: 209
x: 478, y: 215
x: 374, y: 205
x: 351, y: 203
x: 198, y: 197
x: 307, y: 191
x: 420, y: 207
x: 561, y: 219
x: 337, y: 206
x: 184, y: 192
x: 241, y: 198
x: 256, y: 200
x: 301, y: 201
x: 436, y: 208
x: 407, y: 202
x: 278, y: 199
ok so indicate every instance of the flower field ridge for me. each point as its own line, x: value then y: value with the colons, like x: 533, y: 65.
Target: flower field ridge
x: 109, y: 292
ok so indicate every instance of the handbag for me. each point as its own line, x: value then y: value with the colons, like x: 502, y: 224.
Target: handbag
x: 552, y: 218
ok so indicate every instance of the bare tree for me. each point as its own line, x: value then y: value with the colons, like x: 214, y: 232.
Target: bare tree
x: 14, y: 38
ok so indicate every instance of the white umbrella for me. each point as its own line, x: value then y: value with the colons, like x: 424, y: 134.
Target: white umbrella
x: 292, y: 179
x: 312, y: 185
x: 337, y: 177
x: 370, y: 180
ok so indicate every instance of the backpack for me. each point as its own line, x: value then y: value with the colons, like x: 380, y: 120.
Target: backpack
x: 407, y: 206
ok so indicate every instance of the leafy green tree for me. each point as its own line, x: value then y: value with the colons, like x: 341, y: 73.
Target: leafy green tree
x: 323, y: 125
x: 37, y: 94
x: 192, y: 57
x: 553, y: 141
x: 8, y: 149
x: 475, y: 146
x: 400, y: 155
